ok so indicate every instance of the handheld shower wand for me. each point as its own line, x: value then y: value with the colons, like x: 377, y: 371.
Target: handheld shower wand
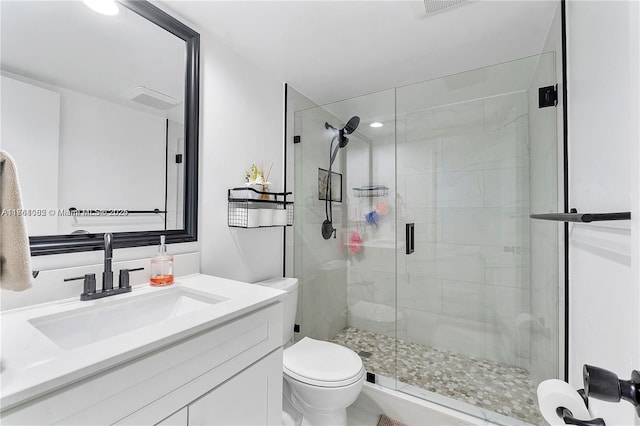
x: 340, y: 136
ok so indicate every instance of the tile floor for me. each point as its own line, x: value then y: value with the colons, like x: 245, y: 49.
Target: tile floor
x: 486, y: 384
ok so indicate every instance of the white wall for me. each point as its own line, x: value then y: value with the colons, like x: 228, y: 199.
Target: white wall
x: 34, y: 148
x: 241, y: 122
x: 634, y: 111
x: 98, y: 145
x: 602, y: 45
x: 111, y: 157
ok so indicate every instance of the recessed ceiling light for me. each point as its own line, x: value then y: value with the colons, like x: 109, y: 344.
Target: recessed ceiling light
x: 376, y: 124
x: 106, y: 7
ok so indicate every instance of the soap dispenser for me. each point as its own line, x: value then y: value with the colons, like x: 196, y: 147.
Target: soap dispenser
x: 162, y: 266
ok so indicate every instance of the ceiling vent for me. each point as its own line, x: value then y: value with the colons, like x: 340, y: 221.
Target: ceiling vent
x: 151, y: 98
x: 435, y: 6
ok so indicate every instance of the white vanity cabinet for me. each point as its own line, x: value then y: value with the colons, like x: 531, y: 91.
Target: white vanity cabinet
x: 228, y: 374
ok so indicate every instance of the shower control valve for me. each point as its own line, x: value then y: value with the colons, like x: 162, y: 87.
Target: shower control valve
x: 328, y: 230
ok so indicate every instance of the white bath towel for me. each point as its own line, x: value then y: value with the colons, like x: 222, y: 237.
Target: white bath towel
x: 15, y: 256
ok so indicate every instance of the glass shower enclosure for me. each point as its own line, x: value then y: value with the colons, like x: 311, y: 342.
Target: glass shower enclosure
x: 436, y: 276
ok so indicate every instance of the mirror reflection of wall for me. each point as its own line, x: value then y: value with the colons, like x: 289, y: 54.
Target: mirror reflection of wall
x: 93, y: 113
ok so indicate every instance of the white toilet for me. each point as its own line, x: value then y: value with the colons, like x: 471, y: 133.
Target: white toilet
x: 324, y: 378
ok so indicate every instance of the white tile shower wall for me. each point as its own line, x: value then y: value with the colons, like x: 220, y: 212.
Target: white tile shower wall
x: 463, y: 180
x: 364, y: 165
x: 372, y: 270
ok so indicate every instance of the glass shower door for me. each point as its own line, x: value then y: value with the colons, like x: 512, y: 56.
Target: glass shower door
x: 477, y: 291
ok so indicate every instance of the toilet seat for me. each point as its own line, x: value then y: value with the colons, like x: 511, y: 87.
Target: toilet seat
x: 322, y: 364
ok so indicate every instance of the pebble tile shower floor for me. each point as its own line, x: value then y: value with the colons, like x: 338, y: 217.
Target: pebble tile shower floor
x: 491, y: 385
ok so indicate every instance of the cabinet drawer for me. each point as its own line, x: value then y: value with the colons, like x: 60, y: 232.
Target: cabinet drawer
x: 248, y: 398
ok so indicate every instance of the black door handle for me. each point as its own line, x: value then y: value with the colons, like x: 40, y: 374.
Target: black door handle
x: 409, y: 237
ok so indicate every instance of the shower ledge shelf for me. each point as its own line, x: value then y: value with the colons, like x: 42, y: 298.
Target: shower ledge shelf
x: 381, y: 244
x: 371, y: 191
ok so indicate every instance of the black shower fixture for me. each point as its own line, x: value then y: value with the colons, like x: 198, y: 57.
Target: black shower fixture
x: 343, y: 140
x: 348, y: 128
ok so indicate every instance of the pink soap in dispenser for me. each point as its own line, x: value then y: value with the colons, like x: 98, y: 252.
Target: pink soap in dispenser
x: 162, y: 266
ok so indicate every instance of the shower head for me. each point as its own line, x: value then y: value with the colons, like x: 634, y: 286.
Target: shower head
x: 351, y: 125
x: 348, y: 128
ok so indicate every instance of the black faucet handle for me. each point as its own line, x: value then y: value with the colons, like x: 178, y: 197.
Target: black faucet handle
x: 89, y: 283
x: 124, y: 277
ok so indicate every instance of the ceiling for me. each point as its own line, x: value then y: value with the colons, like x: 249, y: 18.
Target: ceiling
x: 65, y: 44
x: 334, y: 50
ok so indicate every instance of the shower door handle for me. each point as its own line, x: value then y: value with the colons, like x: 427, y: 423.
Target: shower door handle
x: 409, y: 237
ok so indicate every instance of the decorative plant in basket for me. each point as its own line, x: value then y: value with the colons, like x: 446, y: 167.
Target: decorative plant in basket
x: 256, y: 176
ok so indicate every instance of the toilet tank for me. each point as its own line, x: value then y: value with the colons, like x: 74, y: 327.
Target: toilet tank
x: 290, y: 285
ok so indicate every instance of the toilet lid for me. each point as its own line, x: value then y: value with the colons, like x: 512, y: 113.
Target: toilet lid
x: 322, y: 363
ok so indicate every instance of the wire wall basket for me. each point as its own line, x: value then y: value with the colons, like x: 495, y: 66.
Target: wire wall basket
x: 371, y: 191
x: 250, y: 208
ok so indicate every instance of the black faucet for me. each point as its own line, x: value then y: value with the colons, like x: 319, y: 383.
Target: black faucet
x: 107, y: 275
x: 89, y: 290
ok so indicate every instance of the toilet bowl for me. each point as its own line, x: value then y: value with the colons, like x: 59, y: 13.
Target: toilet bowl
x: 323, y: 378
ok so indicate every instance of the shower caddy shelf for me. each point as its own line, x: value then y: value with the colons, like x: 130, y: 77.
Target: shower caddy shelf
x: 371, y: 191
x: 244, y: 210
x: 574, y: 216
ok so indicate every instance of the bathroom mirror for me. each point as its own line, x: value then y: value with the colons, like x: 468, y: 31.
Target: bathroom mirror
x: 101, y: 115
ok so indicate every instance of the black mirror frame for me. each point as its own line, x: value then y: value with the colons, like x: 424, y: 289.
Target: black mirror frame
x: 58, y: 244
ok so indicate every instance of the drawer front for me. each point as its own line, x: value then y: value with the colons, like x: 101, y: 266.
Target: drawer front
x: 249, y: 398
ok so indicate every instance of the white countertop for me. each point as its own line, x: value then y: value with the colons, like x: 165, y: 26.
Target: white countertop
x: 32, y: 364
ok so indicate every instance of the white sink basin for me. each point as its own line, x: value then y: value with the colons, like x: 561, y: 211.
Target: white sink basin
x: 46, y: 347
x: 80, y: 327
